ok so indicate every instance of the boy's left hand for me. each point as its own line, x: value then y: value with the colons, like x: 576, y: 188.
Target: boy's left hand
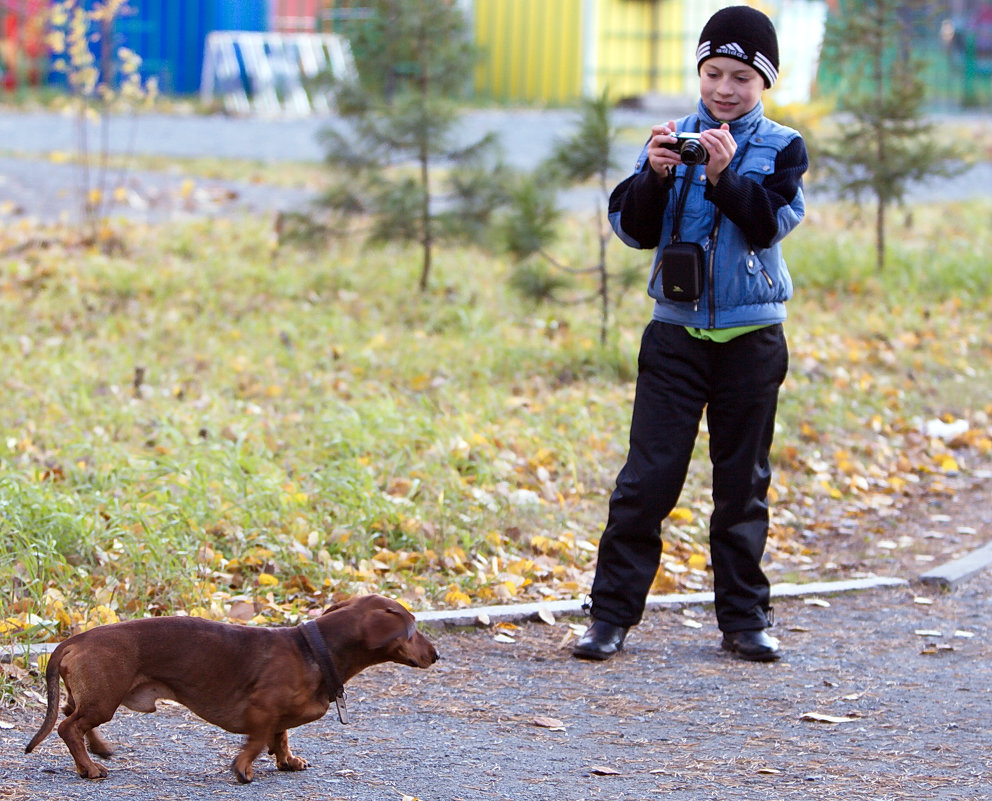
x: 721, y: 146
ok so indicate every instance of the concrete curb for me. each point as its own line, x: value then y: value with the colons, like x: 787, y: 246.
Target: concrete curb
x: 518, y: 613
x: 950, y: 575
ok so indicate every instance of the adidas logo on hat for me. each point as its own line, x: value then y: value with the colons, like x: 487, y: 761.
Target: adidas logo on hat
x: 731, y: 49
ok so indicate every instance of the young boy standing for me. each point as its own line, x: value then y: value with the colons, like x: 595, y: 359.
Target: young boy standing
x: 722, y: 351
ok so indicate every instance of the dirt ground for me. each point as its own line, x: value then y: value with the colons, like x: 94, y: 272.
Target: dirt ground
x: 945, y: 519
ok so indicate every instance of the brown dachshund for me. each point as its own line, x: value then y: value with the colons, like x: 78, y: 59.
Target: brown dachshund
x: 254, y: 681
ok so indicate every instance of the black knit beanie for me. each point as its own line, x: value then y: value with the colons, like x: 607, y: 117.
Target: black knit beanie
x: 743, y: 33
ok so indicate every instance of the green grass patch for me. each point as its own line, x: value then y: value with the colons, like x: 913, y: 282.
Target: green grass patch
x: 201, y: 422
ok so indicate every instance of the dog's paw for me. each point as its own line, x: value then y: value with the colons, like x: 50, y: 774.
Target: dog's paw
x: 244, y: 775
x: 294, y: 763
x: 94, y: 771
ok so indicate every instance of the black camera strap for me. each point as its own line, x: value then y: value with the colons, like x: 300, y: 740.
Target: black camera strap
x: 680, y: 203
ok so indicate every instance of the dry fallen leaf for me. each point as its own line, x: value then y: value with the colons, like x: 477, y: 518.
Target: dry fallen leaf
x: 817, y: 602
x: 692, y: 624
x: 546, y: 616
x: 922, y: 601
x: 504, y: 638
x: 819, y: 717
x: 600, y: 770
x: 242, y: 610
x: 544, y: 722
x: 770, y: 771
x: 928, y: 633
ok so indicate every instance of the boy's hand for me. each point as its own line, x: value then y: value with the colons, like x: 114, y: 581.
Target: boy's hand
x: 661, y: 159
x: 721, y: 146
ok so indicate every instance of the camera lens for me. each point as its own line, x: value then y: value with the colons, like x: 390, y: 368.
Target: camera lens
x: 693, y: 152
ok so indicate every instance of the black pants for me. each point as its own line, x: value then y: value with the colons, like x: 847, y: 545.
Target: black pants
x: 679, y: 376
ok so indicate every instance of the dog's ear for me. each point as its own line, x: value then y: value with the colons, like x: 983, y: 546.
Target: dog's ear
x: 386, y: 625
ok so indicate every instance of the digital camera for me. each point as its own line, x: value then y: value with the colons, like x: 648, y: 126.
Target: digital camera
x: 688, y: 146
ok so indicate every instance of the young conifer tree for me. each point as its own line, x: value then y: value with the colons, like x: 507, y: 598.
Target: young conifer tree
x: 886, y: 141
x: 531, y: 227
x: 403, y: 170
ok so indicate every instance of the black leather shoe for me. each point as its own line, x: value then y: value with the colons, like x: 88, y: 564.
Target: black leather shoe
x: 754, y: 646
x: 600, y: 641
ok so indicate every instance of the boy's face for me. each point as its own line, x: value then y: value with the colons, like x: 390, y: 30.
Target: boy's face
x: 729, y: 88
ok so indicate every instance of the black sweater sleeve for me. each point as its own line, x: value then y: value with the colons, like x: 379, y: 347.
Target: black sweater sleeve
x: 640, y: 200
x: 753, y: 207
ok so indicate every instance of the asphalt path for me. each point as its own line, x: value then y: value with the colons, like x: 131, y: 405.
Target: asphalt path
x: 36, y: 182
x: 881, y: 696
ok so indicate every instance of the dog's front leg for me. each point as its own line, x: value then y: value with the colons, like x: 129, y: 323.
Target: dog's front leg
x: 97, y: 744
x: 285, y: 759
x: 242, y: 765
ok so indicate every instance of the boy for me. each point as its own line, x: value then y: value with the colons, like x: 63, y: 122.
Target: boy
x: 723, y: 351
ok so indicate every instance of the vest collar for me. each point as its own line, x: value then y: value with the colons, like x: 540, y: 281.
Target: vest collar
x: 741, y: 126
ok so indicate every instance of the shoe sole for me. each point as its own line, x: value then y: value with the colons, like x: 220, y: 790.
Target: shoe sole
x: 771, y: 656
x: 598, y: 656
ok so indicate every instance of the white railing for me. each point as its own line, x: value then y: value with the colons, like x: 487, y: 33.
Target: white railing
x: 268, y: 73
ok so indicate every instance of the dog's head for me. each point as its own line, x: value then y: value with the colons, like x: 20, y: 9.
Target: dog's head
x: 386, y: 629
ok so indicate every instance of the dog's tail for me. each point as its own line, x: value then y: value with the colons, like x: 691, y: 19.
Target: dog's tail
x: 52, y: 681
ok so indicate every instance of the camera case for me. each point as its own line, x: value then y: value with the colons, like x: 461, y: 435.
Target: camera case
x: 681, y: 268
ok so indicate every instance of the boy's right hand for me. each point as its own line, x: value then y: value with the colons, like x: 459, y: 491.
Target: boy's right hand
x: 661, y: 159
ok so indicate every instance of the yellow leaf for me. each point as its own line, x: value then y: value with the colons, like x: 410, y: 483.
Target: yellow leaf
x: 520, y: 567
x: 697, y: 561
x: 267, y: 580
x: 947, y: 463
x: 456, y: 598
x: 104, y: 614
x: 681, y: 515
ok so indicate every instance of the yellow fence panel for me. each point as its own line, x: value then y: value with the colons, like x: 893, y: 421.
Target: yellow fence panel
x: 641, y: 47
x: 531, y: 49
x: 558, y: 50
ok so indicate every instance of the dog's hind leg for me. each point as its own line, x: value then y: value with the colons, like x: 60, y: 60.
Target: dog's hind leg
x: 75, y: 730
x: 285, y: 759
x: 94, y: 740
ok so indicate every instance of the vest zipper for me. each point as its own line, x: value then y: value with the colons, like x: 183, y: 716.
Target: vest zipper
x: 711, y: 270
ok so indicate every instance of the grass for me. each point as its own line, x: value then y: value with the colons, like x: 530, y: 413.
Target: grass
x: 202, y: 419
